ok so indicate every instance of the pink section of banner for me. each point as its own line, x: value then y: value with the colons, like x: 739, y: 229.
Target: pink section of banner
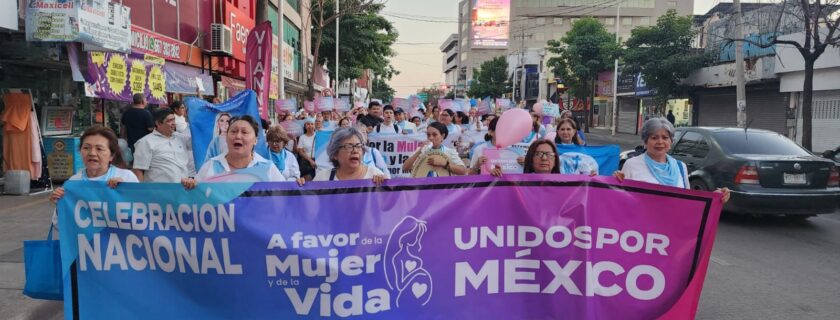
x: 259, y: 64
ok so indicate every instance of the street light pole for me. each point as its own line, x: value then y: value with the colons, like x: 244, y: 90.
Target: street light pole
x: 740, y: 94
x: 337, y: 23
x: 280, y: 67
x: 615, y: 71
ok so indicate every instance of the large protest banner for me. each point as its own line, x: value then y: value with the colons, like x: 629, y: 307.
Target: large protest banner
x: 396, y: 149
x: 209, y: 123
x: 528, y: 247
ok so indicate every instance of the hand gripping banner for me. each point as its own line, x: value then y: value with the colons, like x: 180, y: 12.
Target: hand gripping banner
x: 525, y: 247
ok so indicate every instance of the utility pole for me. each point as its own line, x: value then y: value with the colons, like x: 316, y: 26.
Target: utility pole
x: 615, y: 71
x: 337, y: 23
x: 741, y: 100
x: 515, y: 68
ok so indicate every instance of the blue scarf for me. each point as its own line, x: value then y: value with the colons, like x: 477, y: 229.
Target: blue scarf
x: 108, y: 175
x: 279, y: 159
x: 529, y: 137
x: 667, y: 173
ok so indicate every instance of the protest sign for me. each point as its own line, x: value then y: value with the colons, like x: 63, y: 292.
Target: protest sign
x: 527, y: 247
x: 396, y: 149
x: 287, y: 105
x: 503, y: 104
x: 551, y: 109
x: 209, y: 123
x: 504, y: 158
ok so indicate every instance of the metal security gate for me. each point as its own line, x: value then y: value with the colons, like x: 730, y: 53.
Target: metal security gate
x: 767, y: 110
x: 628, y: 115
x: 825, y: 123
x: 717, y: 110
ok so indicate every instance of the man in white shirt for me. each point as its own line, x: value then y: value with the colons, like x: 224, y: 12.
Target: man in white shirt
x: 161, y: 156
x: 388, y: 126
x: 405, y: 126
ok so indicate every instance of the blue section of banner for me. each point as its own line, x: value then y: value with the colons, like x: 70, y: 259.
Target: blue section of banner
x: 204, y: 129
x: 607, y: 156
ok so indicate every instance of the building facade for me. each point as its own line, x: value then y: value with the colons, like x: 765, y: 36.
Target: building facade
x: 483, y: 35
x: 449, y: 61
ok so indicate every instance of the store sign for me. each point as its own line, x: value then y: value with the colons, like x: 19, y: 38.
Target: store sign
x: 56, y: 120
x: 51, y: 20
x: 626, y: 83
x: 117, y: 76
x: 105, y: 24
x: 288, y: 61
x: 274, y: 87
x: 642, y: 89
x: 240, y: 25
x: 97, y: 23
x: 146, y: 41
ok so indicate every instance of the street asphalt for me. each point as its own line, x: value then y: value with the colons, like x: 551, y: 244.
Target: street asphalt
x: 762, y: 267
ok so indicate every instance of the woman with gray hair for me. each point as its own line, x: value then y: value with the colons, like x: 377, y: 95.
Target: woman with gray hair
x: 346, y: 151
x: 655, y: 165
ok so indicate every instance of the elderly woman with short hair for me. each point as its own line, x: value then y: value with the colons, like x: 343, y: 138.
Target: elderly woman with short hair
x: 346, y: 151
x: 656, y: 165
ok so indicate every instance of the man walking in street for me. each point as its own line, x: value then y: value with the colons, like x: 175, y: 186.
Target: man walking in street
x: 388, y: 126
x: 136, y: 121
x: 671, y: 118
x: 161, y: 156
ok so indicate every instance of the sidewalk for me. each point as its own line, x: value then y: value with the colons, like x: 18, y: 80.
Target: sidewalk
x: 602, y: 135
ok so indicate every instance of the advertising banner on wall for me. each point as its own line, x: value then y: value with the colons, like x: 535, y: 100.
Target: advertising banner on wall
x: 145, y: 41
x: 274, y: 87
x: 490, y: 23
x: 117, y: 76
x: 259, y: 66
x: 288, y: 61
x: 97, y: 23
x: 240, y: 26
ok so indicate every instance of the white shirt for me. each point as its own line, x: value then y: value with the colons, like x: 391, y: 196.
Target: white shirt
x: 635, y: 168
x: 164, y: 159
x: 291, y: 170
x: 208, y: 170
x: 181, y: 125
x: 124, y: 174
x: 407, y: 127
x: 307, y: 143
x: 324, y: 175
x: 387, y: 128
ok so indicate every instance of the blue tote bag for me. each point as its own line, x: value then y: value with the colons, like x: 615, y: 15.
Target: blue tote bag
x: 42, y: 263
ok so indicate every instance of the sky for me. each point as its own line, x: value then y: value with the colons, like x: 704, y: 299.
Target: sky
x: 418, y: 46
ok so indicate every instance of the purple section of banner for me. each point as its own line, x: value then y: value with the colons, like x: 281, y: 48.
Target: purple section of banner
x: 525, y: 247
x: 117, y: 76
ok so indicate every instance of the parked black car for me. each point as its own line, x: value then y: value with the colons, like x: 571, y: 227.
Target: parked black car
x: 832, y: 155
x: 767, y: 172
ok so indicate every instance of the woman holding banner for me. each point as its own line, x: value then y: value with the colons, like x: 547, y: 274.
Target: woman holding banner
x: 656, y: 165
x: 218, y: 145
x: 434, y: 159
x: 240, y: 163
x: 103, y: 160
x: 283, y: 159
x: 345, y: 151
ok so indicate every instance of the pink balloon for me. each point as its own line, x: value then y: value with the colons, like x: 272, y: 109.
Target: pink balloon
x: 550, y: 136
x: 513, y: 126
x: 538, y: 108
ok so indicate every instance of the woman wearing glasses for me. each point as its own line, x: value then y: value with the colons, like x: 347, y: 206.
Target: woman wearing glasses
x: 346, y: 151
x: 541, y: 158
x: 283, y: 159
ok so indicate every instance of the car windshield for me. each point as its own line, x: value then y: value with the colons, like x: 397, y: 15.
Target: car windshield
x: 756, y: 142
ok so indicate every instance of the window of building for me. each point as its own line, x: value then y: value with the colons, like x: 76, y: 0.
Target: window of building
x: 540, y: 21
x: 291, y: 36
x: 627, y: 21
x: 645, y: 21
x: 609, y: 21
x: 294, y: 4
x: 558, y: 21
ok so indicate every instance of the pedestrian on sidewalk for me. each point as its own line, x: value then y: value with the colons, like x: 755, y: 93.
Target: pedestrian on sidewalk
x: 136, y: 121
x: 671, y: 118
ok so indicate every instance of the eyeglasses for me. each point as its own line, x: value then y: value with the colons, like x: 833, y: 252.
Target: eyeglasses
x: 544, y: 154
x: 276, y: 142
x: 350, y: 146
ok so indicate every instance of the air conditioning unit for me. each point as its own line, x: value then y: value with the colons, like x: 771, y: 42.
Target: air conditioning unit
x: 221, y: 39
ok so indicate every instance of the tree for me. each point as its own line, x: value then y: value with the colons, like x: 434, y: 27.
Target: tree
x: 368, y: 38
x: 381, y: 90
x: 664, y: 55
x: 820, y: 32
x: 490, y: 79
x: 433, y: 93
x: 322, y: 14
x: 583, y: 52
